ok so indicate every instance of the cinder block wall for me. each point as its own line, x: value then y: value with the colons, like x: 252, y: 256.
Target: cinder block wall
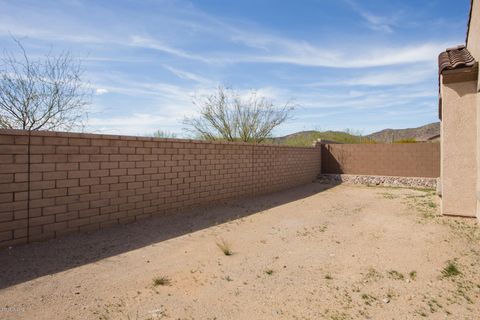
x: 57, y: 183
x: 404, y: 160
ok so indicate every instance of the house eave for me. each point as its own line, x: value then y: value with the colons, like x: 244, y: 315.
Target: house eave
x: 462, y: 74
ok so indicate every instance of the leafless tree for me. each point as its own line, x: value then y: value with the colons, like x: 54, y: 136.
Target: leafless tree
x: 226, y: 115
x: 42, y: 94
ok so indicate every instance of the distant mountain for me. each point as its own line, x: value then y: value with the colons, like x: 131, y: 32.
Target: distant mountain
x: 429, y: 132
x: 423, y: 133
x: 306, y: 138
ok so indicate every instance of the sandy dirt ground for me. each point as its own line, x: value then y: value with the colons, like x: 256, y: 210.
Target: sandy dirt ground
x: 314, y: 252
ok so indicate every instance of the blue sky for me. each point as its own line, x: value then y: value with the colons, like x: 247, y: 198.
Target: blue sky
x: 358, y: 64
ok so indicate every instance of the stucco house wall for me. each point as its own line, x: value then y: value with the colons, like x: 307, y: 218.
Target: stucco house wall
x: 477, y: 193
x: 473, y: 37
x: 460, y: 123
x: 459, y: 144
x: 473, y: 45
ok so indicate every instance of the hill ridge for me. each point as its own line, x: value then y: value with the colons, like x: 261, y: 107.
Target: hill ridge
x: 307, y: 137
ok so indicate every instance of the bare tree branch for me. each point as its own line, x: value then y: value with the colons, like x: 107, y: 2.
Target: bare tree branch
x: 228, y: 116
x: 44, y: 94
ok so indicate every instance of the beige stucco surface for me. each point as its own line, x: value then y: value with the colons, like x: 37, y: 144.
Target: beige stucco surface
x: 477, y: 193
x: 459, y: 148
x: 473, y: 44
x: 460, y: 131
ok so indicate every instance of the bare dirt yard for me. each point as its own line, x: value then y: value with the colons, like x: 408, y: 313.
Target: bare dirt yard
x: 314, y: 252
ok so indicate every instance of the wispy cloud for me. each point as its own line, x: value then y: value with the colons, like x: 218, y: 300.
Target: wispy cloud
x: 280, y: 49
x: 151, y: 43
x: 396, y: 77
x: 375, y: 22
x: 188, y: 75
x: 100, y: 91
x: 372, y: 56
x: 132, y: 124
x: 408, y: 76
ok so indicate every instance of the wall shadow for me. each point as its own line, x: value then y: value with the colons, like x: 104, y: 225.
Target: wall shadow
x: 330, y: 163
x: 30, y: 261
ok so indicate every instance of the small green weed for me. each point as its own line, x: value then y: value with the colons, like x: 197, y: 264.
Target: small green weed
x: 451, y: 270
x: 413, y: 275
x: 393, y: 274
x: 368, y: 299
x: 161, y: 281
x: 269, y: 271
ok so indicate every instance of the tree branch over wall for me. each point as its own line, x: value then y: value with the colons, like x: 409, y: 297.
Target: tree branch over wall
x: 42, y: 94
x: 226, y: 115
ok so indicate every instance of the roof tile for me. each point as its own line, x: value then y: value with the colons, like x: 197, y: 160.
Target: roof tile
x: 457, y: 57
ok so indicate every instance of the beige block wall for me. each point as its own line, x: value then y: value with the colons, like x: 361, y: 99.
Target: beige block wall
x: 404, y: 160
x: 459, y: 148
x: 53, y: 183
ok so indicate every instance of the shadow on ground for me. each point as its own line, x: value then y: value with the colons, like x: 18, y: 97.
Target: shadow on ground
x: 23, y: 263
